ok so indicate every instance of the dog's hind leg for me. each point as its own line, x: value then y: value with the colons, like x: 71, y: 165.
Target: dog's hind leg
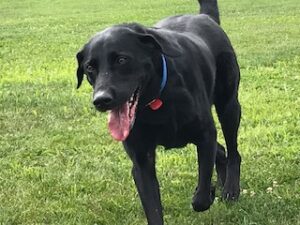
x: 229, y: 113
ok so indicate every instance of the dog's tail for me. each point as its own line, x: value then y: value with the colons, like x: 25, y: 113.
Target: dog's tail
x: 210, y: 7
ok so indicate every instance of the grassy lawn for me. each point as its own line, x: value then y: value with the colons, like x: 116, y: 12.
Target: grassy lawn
x: 59, y: 165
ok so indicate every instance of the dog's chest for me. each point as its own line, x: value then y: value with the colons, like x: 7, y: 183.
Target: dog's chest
x: 172, y: 137
x: 177, y: 135
x: 174, y: 125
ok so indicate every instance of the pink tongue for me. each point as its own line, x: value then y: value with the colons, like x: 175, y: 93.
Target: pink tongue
x: 119, y: 122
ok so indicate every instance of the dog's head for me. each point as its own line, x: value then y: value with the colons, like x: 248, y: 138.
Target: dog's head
x: 122, y: 63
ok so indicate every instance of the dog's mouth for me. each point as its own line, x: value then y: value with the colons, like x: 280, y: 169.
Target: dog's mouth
x: 121, y: 119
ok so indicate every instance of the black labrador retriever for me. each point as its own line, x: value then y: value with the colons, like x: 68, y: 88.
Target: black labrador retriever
x: 158, y: 85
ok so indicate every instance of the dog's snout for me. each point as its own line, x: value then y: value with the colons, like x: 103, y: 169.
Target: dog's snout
x: 102, y: 99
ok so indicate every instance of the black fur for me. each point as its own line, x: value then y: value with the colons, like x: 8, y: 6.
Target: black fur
x: 210, y: 7
x: 203, y: 71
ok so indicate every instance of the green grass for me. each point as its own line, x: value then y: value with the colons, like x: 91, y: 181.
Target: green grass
x: 58, y: 164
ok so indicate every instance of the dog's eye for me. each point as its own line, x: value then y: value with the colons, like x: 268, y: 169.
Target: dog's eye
x: 122, y: 60
x: 90, y: 69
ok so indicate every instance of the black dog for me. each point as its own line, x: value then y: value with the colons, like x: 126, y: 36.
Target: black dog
x: 159, y: 85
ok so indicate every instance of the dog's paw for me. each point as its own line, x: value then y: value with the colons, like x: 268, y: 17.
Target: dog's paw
x: 231, y: 191
x: 202, y: 203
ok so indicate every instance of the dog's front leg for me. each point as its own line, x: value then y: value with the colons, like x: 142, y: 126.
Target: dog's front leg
x: 144, y: 175
x: 206, y: 150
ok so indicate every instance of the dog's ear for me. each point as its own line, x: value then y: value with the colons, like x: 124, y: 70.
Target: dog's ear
x: 161, y: 43
x: 80, y: 71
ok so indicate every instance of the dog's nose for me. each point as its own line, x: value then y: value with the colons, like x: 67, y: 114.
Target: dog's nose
x: 102, y: 99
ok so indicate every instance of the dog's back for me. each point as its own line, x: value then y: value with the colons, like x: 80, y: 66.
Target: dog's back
x: 205, y: 25
x: 207, y: 7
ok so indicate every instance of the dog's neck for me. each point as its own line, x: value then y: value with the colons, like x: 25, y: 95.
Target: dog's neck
x: 156, y: 103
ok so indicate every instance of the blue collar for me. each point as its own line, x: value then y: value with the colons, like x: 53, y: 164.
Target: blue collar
x: 165, y: 74
x: 156, y: 103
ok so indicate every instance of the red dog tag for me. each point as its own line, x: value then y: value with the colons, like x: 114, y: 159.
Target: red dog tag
x: 156, y: 104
